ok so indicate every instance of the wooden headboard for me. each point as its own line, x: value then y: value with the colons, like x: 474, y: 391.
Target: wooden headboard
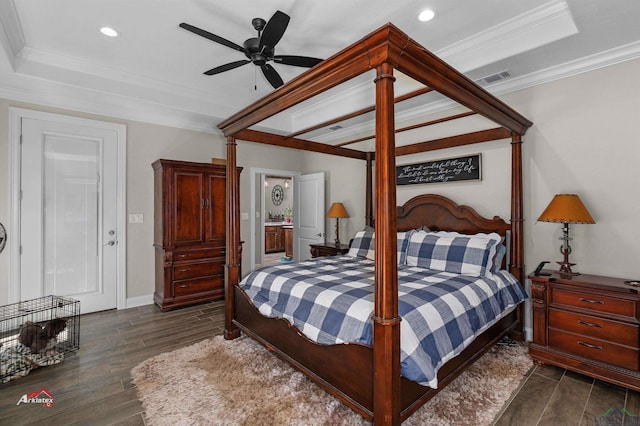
x: 439, y: 213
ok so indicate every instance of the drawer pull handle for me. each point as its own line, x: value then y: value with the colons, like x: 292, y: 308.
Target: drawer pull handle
x: 589, y: 324
x: 185, y: 270
x: 185, y: 285
x: 589, y: 345
x: 599, y: 302
x: 182, y: 256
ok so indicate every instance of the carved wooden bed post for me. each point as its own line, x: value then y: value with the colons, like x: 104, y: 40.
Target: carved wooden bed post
x: 386, y: 321
x: 368, y: 214
x: 517, y: 221
x: 517, y: 254
x: 232, y: 267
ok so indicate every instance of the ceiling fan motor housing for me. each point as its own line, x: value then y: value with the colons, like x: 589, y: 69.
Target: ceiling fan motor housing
x: 258, y: 56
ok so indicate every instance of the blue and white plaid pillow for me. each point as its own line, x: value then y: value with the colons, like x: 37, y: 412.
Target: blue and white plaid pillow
x: 452, y: 252
x: 364, y: 245
x: 501, y: 251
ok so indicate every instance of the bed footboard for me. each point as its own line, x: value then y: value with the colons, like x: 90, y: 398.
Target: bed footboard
x: 345, y: 371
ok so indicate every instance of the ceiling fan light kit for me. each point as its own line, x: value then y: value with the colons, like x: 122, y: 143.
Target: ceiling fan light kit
x: 259, y: 50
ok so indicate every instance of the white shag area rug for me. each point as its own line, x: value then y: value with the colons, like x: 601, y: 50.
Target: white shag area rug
x: 238, y: 382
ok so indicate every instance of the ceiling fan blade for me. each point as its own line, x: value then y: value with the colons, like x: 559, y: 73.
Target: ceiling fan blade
x: 274, y: 30
x: 227, y: 67
x: 296, y: 61
x: 212, y: 37
x: 272, y: 76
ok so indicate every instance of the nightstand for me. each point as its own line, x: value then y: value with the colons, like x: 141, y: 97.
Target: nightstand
x: 589, y: 324
x: 318, y: 250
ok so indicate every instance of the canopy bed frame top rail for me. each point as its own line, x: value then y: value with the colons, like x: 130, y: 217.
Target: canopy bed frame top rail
x: 388, y: 45
x: 384, y: 50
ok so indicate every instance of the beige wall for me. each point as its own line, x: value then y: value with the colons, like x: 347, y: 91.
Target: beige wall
x: 145, y: 144
x: 583, y: 141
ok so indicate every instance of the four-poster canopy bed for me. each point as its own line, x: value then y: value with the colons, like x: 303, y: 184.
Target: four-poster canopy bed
x: 368, y: 377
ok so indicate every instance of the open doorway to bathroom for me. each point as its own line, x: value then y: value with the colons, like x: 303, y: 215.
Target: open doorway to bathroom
x: 262, y: 185
x: 278, y: 219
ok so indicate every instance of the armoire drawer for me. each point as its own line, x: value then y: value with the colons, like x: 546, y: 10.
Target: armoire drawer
x: 188, y: 255
x: 198, y: 269
x: 189, y: 287
x: 596, y: 327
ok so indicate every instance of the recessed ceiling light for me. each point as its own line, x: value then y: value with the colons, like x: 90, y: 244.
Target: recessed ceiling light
x: 426, y: 15
x: 109, y: 32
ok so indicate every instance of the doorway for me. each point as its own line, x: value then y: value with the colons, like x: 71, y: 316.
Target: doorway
x: 277, y: 213
x: 68, y: 209
x: 307, y: 213
x: 259, y: 185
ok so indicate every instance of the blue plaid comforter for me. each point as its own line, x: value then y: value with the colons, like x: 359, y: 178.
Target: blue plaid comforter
x: 330, y: 300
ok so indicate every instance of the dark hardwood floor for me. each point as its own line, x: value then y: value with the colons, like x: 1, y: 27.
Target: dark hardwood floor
x: 552, y: 396
x: 93, y: 386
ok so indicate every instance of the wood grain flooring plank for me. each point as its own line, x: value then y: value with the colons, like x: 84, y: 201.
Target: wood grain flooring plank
x: 568, y: 402
x: 632, y: 406
x: 550, y: 371
x: 603, y: 398
x: 529, y: 403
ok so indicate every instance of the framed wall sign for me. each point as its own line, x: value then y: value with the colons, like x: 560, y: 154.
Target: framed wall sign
x: 440, y: 171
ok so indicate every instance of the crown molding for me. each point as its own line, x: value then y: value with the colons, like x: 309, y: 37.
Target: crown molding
x: 11, y: 24
x: 540, y: 26
x: 58, y: 95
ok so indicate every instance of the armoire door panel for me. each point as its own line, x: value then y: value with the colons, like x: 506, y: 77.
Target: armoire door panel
x: 216, y: 209
x: 188, y: 208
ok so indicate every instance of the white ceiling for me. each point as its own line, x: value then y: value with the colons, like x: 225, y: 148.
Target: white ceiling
x: 52, y: 53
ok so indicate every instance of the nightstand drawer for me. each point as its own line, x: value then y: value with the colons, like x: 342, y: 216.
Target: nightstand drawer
x: 599, y: 328
x: 599, y: 350
x: 594, y: 302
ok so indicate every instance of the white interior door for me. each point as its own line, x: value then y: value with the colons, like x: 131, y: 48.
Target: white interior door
x: 309, y: 214
x: 69, y: 213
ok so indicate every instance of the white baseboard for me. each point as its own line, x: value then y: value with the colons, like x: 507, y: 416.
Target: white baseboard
x: 134, y: 302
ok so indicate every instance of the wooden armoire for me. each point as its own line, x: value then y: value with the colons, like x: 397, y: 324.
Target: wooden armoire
x: 189, y: 234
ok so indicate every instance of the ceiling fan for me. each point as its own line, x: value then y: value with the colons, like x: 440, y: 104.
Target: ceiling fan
x: 260, y: 50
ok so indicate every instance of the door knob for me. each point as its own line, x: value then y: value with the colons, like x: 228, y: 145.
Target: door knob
x: 111, y: 243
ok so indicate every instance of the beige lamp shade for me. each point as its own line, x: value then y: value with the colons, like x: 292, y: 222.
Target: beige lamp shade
x: 566, y: 208
x: 337, y: 210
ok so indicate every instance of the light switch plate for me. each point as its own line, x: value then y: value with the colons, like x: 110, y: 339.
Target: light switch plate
x: 136, y: 218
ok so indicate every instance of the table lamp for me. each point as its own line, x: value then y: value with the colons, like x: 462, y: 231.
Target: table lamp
x: 566, y: 209
x: 337, y: 210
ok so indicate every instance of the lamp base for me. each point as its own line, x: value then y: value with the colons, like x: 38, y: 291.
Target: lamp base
x: 565, y: 265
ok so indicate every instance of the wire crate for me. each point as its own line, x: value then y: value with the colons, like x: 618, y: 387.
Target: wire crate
x: 39, y: 312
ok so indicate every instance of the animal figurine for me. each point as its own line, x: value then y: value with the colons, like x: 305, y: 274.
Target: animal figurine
x: 39, y: 339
